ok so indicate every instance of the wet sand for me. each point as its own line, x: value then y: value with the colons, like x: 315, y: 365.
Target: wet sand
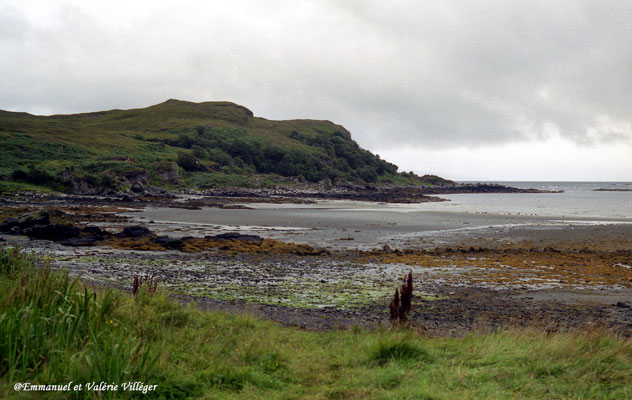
x: 471, y: 271
x: 363, y: 225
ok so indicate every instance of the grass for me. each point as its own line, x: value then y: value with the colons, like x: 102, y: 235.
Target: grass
x: 232, y: 147
x: 54, y: 329
x: 9, y: 187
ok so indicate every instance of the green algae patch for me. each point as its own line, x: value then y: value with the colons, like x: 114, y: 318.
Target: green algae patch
x: 302, y: 282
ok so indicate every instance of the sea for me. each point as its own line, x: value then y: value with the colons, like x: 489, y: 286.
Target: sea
x: 577, y: 199
x: 566, y: 200
x: 360, y: 224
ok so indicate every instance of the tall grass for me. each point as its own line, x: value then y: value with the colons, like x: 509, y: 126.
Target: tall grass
x: 53, y: 330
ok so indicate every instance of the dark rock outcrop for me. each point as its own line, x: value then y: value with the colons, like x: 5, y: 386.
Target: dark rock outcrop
x: 169, y: 243
x: 95, y: 231
x: 133, y: 232
x: 169, y: 172
x: 80, y: 185
x: 80, y: 241
x: 54, y: 232
x: 17, y: 224
x: 36, y: 225
x: 253, y: 239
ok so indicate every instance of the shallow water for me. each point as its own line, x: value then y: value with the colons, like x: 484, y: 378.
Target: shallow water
x: 365, y: 225
x: 579, y: 199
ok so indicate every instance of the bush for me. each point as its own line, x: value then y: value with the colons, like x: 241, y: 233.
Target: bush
x: 188, y: 162
x: 198, y: 151
x: 42, y: 178
x: 219, y: 156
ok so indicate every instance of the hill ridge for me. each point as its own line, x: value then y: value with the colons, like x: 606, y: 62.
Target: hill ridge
x: 181, y: 144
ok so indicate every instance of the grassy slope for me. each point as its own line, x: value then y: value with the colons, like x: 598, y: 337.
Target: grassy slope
x: 44, y: 320
x: 129, y: 140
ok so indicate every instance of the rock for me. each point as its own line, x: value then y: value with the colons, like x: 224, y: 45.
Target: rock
x: 253, y: 239
x: 80, y: 241
x: 40, y: 217
x: 169, y: 172
x: 133, y: 231
x: 235, y: 207
x: 168, y: 242
x: 81, y: 185
x: 56, y: 213
x: 54, y: 232
x: 622, y: 304
x: 139, y: 179
x: 95, y: 231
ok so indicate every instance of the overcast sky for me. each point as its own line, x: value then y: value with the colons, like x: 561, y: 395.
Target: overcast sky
x: 487, y: 90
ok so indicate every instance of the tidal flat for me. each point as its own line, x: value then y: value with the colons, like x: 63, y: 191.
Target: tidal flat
x: 472, y: 271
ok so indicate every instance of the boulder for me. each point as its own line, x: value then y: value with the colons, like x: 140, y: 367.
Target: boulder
x: 54, y: 232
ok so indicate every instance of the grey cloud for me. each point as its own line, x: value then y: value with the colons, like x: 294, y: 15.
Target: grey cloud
x: 395, y: 73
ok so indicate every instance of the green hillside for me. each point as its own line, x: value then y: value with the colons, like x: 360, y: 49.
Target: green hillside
x: 178, y: 144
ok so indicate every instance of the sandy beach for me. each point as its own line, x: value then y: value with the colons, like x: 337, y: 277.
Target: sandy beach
x: 364, y: 225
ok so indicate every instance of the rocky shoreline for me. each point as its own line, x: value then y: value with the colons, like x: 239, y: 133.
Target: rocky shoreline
x: 235, y: 197
x: 611, y: 190
x: 385, y: 194
x: 473, y: 285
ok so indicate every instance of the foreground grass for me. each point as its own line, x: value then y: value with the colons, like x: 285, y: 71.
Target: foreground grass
x: 54, y: 330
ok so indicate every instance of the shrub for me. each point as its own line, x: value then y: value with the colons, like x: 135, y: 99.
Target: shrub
x: 198, y: 151
x: 189, y: 163
x: 37, y: 176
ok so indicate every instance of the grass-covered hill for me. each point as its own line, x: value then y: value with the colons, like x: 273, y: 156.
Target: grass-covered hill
x: 179, y: 144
